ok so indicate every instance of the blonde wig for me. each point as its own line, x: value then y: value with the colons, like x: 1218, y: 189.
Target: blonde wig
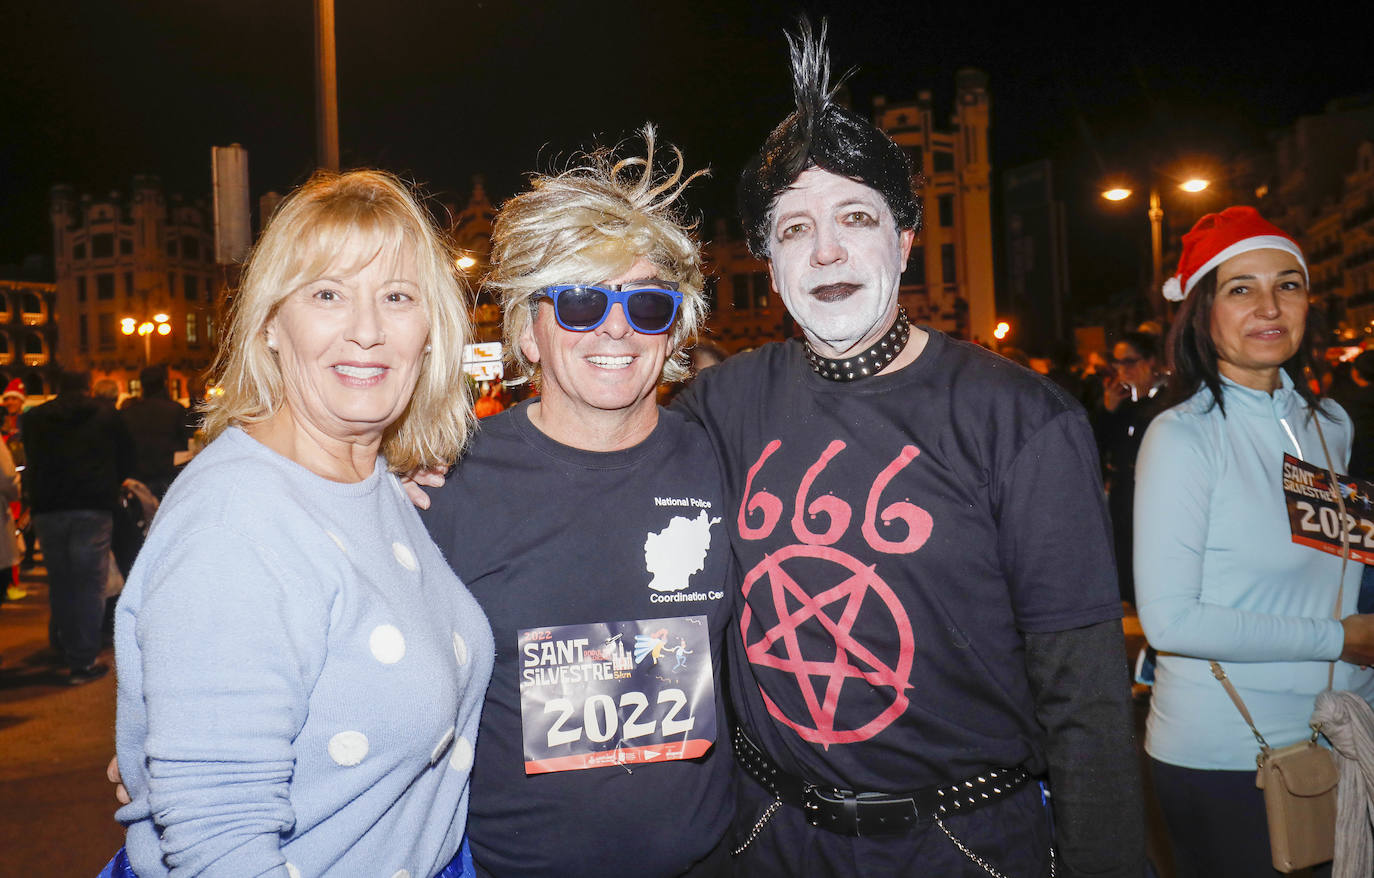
x: 590, y: 223
x: 301, y: 243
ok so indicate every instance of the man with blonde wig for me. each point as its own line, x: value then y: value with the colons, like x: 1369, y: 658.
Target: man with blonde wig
x: 597, y: 755
x: 929, y: 636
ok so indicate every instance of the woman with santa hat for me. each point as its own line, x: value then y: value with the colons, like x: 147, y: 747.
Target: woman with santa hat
x: 1218, y: 575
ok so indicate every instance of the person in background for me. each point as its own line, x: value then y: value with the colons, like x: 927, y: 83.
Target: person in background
x: 1129, y: 403
x: 14, y: 402
x: 10, y: 552
x: 1218, y: 576
x: 106, y: 390
x: 78, y: 454
x: 600, y: 519
x: 158, y: 424
x: 300, y: 672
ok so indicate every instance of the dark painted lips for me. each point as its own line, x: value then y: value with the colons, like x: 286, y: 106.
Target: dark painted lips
x: 834, y: 292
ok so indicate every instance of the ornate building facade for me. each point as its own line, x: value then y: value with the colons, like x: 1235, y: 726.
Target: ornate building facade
x: 121, y: 262
x: 27, y: 336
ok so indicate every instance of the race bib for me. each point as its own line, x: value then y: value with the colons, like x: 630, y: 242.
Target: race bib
x: 1314, y: 517
x: 616, y: 693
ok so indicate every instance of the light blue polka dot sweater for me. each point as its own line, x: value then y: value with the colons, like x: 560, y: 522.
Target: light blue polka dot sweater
x: 300, y: 678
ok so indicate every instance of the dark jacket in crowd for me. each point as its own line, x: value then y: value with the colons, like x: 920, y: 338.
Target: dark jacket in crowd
x: 79, y: 453
x: 158, y: 426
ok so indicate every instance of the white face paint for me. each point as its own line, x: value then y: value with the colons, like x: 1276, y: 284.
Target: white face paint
x: 836, y: 258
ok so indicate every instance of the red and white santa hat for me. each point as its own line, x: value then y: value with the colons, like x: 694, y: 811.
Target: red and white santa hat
x: 15, y: 388
x: 1219, y: 236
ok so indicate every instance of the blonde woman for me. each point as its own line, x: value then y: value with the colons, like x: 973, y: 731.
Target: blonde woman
x: 300, y: 672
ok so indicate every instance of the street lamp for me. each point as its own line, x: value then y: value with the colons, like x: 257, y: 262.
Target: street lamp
x: 161, y: 324
x: 1156, y: 214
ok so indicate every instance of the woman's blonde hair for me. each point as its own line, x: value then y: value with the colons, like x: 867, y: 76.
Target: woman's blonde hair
x: 593, y: 222
x: 380, y: 215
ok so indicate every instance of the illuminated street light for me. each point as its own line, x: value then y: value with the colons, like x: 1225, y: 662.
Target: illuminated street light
x: 464, y: 262
x: 161, y: 324
x: 1002, y: 331
x: 1156, y: 214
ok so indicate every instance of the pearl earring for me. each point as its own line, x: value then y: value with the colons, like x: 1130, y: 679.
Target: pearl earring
x: 428, y: 348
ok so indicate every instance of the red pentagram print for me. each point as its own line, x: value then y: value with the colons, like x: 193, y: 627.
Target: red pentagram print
x: 852, y: 659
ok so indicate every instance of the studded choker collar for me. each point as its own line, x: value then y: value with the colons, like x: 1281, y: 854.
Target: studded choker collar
x: 871, y: 361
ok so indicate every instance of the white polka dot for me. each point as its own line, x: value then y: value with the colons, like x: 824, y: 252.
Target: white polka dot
x: 460, y: 648
x: 338, y: 542
x: 348, y: 748
x: 401, y: 873
x: 461, y: 759
x: 404, y: 556
x: 291, y: 870
x: 387, y: 644
x: 440, y: 747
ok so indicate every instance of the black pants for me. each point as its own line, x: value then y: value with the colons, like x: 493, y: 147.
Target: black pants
x: 1012, y: 836
x: 1216, y: 822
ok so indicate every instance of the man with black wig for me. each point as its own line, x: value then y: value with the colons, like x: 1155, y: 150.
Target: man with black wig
x: 928, y: 671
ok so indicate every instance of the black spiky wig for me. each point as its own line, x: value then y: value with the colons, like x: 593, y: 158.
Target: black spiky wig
x: 826, y: 135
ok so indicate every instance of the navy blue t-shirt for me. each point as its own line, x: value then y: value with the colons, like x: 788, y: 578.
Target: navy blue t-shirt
x: 558, y: 539
x: 896, y: 538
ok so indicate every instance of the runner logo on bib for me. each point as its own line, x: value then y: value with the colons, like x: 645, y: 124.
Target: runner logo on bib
x: 616, y: 693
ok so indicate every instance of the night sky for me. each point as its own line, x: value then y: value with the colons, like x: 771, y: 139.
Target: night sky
x: 92, y: 93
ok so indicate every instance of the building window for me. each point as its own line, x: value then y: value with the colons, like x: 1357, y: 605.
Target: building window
x: 126, y: 247
x: 171, y: 283
x: 83, y: 334
x: 761, y: 290
x: 81, y: 289
x: 172, y: 247
x: 128, y: 283
x: 944, y: 161
x: 190, y: 247
x: 104, y: 286
x: 915, y: 274
x: 105, y: 331
x: 191, y: 337
x: 739, y: 292
x: 79, y: 250
x: 945, y: 205
x: 191, y: 290
x: 102, y: 246
x: 947, y: 264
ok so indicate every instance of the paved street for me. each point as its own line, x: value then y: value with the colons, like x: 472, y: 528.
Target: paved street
x: 56, y: 808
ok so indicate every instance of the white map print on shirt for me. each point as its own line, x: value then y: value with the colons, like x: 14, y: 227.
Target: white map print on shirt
x: 673, y: 554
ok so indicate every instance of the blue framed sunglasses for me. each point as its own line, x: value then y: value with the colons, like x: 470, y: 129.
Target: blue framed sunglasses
x: 650, y: 307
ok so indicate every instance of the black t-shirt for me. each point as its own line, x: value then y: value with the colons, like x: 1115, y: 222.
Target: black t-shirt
x: 897, y: 536
x: 545, y: 535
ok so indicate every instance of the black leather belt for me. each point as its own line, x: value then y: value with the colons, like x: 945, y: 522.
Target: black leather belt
x: 845, y: 812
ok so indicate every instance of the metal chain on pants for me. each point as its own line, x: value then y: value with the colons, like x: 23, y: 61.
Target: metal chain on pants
x: 977, y: 860
x: 758, y: 827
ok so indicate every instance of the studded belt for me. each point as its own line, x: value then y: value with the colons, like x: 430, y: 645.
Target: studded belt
x: 845, y: 812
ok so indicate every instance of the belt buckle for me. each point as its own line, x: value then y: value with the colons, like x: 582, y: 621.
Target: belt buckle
x: 832, y: 809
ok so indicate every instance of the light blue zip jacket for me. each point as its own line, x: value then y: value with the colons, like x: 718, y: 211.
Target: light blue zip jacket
x: 1218, y: 576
